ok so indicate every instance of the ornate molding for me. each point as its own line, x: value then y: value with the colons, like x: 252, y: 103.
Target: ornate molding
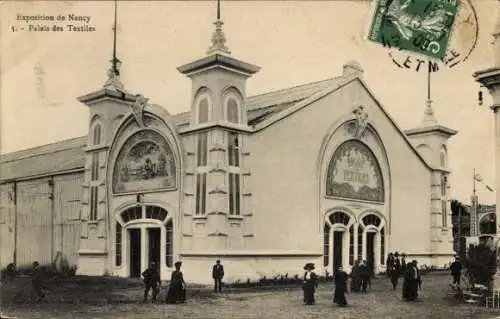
x: 361, y: 121
x: 138, y: 109
x: 217, y: 234
x: 217, y: 190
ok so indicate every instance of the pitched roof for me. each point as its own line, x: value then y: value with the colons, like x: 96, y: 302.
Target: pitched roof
x: 69, y: 155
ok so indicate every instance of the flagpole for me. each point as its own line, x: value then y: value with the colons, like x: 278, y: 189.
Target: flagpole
x: 474, y: 182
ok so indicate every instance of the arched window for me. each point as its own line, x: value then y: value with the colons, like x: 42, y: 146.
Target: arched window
x: 326, y: 245
x: 118, y: 245
x: 169, y: 251
x: 443, y: 159
x: 203, y: 110
x: 382, y: 246
x: 360, y: 242
x: 339, y: 218
x: 132, y: 214
x: 232, y: 110
x: 351, y: 245
x: 151, y: 212
x: 154, y: 212
x: 487, y: 224
x: 371, y: 220
x: 96, y: 134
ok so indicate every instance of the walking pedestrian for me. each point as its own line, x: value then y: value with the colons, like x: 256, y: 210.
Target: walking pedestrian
x: 340, y: 287
x: 456, y: 271
x: 309, y: 284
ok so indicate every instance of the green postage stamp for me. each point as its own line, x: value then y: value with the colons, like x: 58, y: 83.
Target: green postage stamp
x: 420, y: 26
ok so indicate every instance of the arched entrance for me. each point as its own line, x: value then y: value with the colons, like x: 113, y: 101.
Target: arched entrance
x: 338, y: 241
x: 372, y: 241
x: 147, y: 234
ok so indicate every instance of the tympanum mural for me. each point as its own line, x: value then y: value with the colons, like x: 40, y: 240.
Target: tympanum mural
x: 354, y: 173
x: 144, y: 163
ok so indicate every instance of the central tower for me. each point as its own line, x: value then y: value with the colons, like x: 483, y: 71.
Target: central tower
x: 217, y: 150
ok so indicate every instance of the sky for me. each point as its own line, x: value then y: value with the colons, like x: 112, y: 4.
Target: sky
x: 294, y: 42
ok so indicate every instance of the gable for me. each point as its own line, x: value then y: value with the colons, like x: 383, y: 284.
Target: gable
x: 263, y: 110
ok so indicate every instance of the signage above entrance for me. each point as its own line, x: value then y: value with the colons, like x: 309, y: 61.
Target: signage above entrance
x: 354, y: 173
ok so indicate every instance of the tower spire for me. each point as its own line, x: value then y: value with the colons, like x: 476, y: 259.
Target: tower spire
x: 429, y: 118
x: 218, y: 37
x: 113, y: 81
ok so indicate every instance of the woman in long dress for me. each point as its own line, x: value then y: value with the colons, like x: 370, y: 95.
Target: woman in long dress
x: 395, y: 273
x: 310, y: 284
x: 340, y: 287
x: 355, y: 277
x: 412, y: 282
x: 177, y: 290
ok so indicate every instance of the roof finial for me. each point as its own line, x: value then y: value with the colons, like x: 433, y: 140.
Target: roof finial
x: 218, y: 37
x: 114, y: 71
x: 429, y: 118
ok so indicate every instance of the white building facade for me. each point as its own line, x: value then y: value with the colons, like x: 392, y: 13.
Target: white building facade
x: 315, y: 173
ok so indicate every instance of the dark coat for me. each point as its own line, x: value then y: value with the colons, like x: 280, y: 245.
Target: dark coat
x: 176, y: 291
x: 151, y: 276
x: 456, y: 268
x: 412, y: 283
x: 309, y: 287
x: 340, y: 288
x: 218, y: 271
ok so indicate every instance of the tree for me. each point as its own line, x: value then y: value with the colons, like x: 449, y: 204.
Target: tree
x: 481, y: 262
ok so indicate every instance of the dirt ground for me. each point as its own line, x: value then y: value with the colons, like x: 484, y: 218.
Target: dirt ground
x: 94, y: 301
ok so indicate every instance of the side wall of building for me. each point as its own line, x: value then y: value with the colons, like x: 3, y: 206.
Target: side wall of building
x: 39, y: 220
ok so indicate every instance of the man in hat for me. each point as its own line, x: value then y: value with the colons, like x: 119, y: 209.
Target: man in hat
x: 151, y: 281
x: 396, y: 271
x: 217, y: 275
x: 310, y: 284
x: 403, y: 263
x: 456, y: 270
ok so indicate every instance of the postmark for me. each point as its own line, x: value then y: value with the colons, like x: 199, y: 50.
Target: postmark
x: 423, y: 27
x: 462, y: 44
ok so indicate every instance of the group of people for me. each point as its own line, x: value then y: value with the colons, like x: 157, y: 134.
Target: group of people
x: 361, y: 275
x: 310, y: 284
x: 177, y: 289
x: 412, y: 282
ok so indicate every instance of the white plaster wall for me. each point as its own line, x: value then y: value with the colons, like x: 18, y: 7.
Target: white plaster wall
x: 199, y: 270
x: 284, y: 162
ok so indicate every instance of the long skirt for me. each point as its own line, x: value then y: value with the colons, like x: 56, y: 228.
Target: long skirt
x: 309, y: 290
x: 355, y: 284
x: 339, y: 296
x: 176, y: 293
x: 394, y: 279
x: 410, y: 290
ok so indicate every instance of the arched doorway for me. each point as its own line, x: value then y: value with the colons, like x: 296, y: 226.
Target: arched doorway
x: 372, y: 241
x: 488, y: 224
x: 338, y: 241
x: 147, y: 232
